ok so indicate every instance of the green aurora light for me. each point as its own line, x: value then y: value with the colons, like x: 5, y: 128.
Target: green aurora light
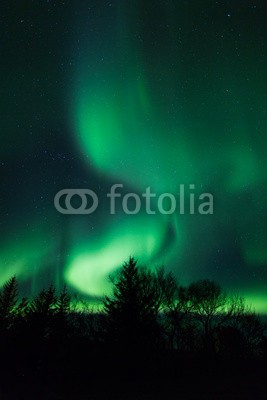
x: 158, y: 94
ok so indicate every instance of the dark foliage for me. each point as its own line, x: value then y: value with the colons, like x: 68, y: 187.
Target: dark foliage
x: 149, y: 329
x: 131, y: 312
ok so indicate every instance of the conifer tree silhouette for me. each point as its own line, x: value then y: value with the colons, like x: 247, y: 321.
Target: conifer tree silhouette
x: 131, y: 311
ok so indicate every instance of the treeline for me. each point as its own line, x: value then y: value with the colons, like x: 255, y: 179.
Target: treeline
x: 146, y: 311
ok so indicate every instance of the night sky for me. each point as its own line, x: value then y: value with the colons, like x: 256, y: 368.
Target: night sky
x: 144, y: 93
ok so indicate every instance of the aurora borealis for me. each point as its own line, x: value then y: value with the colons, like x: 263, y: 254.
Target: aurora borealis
x: 147, y: 94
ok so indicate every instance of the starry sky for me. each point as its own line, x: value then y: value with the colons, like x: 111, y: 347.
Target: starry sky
x: 142, y: 93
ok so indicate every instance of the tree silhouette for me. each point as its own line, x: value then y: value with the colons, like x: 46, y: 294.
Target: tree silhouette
x: 62, y: 302
x: 208, y: 302
x: 42, y: 310
x: 10, y: 307
x: 62, y: 314
x: 131, y: 311
x: 9, y: 296
x: 176, y: 306
x: 252, y: 329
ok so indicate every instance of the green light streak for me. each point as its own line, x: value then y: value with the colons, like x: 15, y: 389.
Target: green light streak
x: 90, y: 265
